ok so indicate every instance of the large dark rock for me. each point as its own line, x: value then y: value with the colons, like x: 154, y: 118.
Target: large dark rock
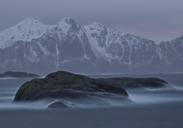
x: 67, y: 85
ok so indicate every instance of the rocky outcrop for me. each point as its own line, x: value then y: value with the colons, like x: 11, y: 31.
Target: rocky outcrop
x: 66, y: 85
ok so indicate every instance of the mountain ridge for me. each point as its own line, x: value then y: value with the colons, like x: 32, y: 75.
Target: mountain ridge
x: 92, y: 48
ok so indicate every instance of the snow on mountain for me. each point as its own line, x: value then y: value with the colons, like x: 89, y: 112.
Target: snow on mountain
x: 115, y: 45
x: 68, y: 24
x: 26, y: 30
x: 97, y: 35
x: 94, y: 48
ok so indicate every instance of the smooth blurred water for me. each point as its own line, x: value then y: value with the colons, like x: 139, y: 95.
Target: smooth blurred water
x: 8, y: 89
x: 156, y: 96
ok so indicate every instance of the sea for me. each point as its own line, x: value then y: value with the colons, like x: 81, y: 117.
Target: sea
x: 149, y: 108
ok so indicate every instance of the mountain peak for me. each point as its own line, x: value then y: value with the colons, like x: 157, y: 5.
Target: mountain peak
x: 26, y: 30
x: 68, y: 24
x: 97, y: 25
x: 179, y: 38
x: 96, y: 28
x: 30, y: 21
x: 68, y: 20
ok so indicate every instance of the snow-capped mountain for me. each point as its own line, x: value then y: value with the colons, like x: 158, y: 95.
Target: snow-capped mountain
x: 36, y: 47
x: 26, y: 30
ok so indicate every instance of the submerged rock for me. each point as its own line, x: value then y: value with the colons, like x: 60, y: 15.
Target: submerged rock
x: 57, y: 104
x: 63, y: 84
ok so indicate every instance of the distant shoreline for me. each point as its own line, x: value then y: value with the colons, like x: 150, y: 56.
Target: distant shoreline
x: 16, y: 74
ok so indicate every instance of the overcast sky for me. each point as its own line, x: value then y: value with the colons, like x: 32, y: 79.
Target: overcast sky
x: 153, y: 19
